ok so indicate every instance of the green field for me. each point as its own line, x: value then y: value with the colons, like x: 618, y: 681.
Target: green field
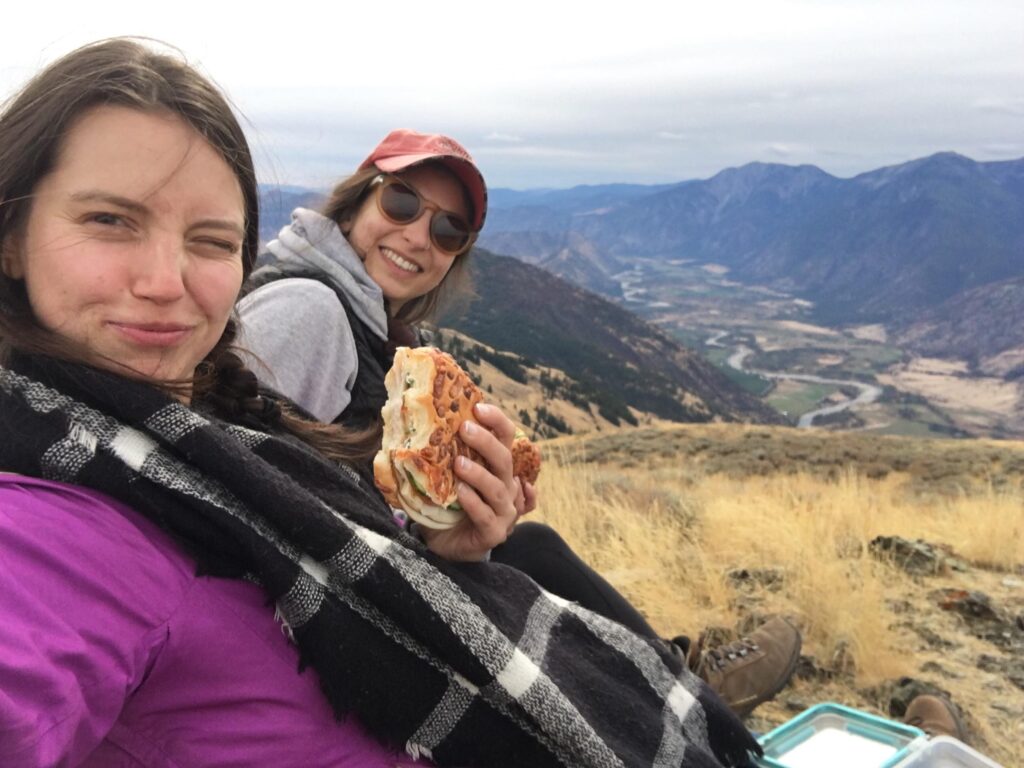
x: 904, y: 428
x: 749, y: 381
x: 805, y: 398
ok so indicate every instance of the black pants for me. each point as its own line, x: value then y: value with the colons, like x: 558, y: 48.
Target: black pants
x: 539, y: 552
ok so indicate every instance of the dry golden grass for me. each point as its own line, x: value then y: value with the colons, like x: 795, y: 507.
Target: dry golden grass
x: 668, y: 531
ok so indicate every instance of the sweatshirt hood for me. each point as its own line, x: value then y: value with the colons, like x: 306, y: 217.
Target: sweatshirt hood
x: 315, y: 241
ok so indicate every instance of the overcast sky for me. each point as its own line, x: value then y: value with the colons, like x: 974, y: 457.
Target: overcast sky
x: 559, y: 92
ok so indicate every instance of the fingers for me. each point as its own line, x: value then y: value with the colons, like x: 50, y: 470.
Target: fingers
x: 490, y: 522
x: 530, y: 497
x: 492, y: 498
x: 497, y: 422
x: 491, y: 447
x: 492, y: 511
x: 485, y: 489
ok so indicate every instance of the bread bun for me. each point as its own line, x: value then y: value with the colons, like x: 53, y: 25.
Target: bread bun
x: 429, y: 396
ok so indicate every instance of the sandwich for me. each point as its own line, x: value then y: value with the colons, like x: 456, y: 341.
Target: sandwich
x: 429, y: 396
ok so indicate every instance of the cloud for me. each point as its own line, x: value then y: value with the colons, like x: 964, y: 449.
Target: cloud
x: 506, y: 137
x: 1003, y: 151
x: 534, y: 150
x: 788, y: 150
x: 849, y: 86
x: 1001, y: 106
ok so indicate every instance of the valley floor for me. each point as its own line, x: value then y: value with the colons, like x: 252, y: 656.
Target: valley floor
x: 923, y: 396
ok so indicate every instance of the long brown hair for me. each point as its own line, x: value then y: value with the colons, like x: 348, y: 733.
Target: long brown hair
x: 33, y: 124
x: 343, y: 204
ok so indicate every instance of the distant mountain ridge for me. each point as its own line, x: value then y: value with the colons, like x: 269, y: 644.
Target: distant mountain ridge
x: 893, y: 245
x: 883, y: 246
x: 277, y: 203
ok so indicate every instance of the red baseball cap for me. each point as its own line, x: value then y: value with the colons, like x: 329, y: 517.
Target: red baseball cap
x: 403, y: 148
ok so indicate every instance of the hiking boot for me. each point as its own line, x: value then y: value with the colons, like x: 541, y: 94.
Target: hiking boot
x: 936, y: 716
x: 753, y: 669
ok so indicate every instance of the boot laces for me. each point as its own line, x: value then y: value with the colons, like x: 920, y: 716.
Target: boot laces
x: 724, y: 655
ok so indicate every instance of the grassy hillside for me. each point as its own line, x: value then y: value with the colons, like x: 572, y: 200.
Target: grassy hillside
x: 544, y: 401
x: 716, y: 526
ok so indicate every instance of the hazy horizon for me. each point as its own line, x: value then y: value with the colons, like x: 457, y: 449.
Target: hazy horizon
x: 558, y: 95
x: 556, y: 187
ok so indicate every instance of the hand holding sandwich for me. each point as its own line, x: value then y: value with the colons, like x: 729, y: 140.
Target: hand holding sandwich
x: 491, y: 497
x: 450, y: 461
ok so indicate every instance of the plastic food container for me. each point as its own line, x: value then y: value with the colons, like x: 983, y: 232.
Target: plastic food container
x: 946, y: 752
x: 832, y: 735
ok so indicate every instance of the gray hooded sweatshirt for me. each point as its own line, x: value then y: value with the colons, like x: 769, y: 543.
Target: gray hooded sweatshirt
x: 295, y: 330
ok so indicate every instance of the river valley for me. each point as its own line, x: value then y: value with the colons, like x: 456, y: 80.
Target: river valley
x: 850, y: 377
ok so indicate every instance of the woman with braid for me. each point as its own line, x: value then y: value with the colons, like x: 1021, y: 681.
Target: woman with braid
x: 192, y: 572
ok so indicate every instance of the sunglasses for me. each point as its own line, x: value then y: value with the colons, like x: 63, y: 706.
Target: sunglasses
x: 401, y: 204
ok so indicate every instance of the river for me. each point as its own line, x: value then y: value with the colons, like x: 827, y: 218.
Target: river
x: 868, y: 393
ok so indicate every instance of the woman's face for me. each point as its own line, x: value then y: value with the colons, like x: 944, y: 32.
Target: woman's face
x: 400, y: 258
x: 133, y: 244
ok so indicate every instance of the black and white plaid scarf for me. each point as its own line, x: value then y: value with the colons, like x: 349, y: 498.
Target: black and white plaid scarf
x: 471, y: 664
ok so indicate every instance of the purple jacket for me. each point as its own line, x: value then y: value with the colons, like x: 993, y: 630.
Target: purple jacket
x: 113, y: 653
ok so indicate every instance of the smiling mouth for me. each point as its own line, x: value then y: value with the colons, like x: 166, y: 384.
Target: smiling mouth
x: 398, y: 261
x: 153, y: 334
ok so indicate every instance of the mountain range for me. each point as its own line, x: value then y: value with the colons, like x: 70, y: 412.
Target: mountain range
x: 883, y: 246
x: 932, y: 248
x: 277, y: 204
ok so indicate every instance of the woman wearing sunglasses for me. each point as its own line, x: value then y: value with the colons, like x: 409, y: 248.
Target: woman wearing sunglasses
x: 391, y: 243
x: 346, y: 288
x: 391, y: 246
x: 348, y: 285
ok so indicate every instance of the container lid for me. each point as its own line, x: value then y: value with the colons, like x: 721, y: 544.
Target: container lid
x: 839, y: 737
x: 946, y: 752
